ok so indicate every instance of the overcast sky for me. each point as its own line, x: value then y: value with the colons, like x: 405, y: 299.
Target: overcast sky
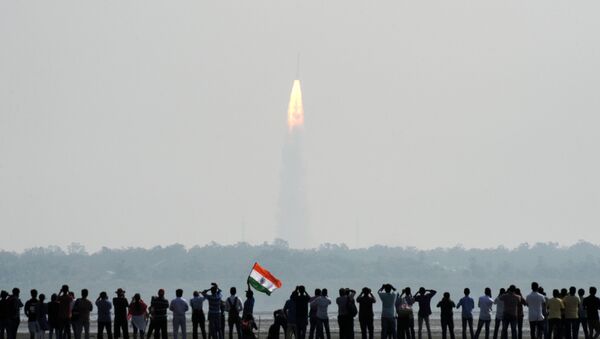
x: 428, y: 123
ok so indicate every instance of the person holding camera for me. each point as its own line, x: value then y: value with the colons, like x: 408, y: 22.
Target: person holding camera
x: 406, y: 320
x: 387, y: 294
x: 214, y: 311
x: 365, y: 301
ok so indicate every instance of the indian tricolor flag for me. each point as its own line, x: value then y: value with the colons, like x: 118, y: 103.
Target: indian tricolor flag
x: 262, y: 280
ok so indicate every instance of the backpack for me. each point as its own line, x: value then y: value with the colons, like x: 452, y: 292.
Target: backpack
x: 233, y: 311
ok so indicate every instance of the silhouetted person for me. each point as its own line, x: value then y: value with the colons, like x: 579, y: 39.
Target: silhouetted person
x: 198, y: 317
x: 248, y: 325
x: 510, y: 317
x: 321, y: 303
x: 535, y: 303
x: 346, y: 312
x: 53, y: 316
x: 43, y: 316
x: 31, y: 312
x: 582, y: 314
x: 214, y: 311
x: 179, y: 307
x: 4, y: 314
x: 406, y: 322
x: 498, y: 324
x: 447, y: 306
x: 64, y: 313
x: 467, y: 304
x: 485, y: 304
x: 365, y: 301
x: 290, y: 314
x: 81, y: 315
x: 555, y: 308
x: 120, y: 304
x: 571, y: 322
x: 279, y: 322
x: 591, y: 304
x: 301, y: 300
x: 160, y: 305
x: 388, y: 303
x: 423, y: 297
x: 234, y: 307
x: 14, y: 319
x: 103, y: 307
x: 520, y: 313
x: 139, y: 314
x: 312, y: 314
x: 249, y: 304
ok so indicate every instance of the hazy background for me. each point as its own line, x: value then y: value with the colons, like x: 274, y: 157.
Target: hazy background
x: 428, y: 123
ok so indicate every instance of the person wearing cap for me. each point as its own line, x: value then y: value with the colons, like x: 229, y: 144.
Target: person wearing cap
x: 121, y: 304
x: 179, y: 306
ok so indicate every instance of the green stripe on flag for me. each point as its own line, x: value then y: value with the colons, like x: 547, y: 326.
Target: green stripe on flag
x: 257, y: 286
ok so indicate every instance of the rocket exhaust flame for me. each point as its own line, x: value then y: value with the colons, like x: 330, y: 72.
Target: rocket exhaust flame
x: 295, y: 107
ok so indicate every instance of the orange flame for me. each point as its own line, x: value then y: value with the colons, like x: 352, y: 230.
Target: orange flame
x: 295, y: 107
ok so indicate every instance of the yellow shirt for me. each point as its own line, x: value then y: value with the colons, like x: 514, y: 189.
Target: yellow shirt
x: 571, y: 306
x: 554, y: 305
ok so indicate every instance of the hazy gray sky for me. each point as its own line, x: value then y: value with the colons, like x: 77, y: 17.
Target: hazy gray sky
x: 428, y: 123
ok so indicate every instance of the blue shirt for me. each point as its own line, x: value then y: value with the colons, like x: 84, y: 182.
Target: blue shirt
x: 103, y: 307
x: 196, y: 303
x: 388, y: 301
x: 467, y: 304
x: 214, y: 303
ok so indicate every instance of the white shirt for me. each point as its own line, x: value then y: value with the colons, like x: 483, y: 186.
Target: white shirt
x: 179, y: 306
x: 485, y: 307
x: 535, y: 303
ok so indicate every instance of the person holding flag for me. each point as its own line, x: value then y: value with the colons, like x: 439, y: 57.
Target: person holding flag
x: 262, y: 280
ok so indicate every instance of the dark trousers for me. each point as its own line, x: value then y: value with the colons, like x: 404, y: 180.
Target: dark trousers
x: 234, y: 321
x: 214, y: 326
x: 403, y: 327
x: 323, y: 326
x: 121, y: 324
x: 346, y: 326
x: 198, y: 320
x: 536, y: 329
x: 467, y: 322
x: 160, y: 329
x: 79, y: 326
x: 520, y: 327
x: 447, y: 326
x: 366, y: 327
x: 150, y: 329
x: 554, y: 328
x: 12, y: 327
x: 301, y: 325
x: 584, y: 326
x: 480, y: 325
x: 327, y: 329
x: 4, y: 326
x: 313, y: 327
x: 64, y: 329
x: 511, y: 321
x: 104, y: 325
x: 572, y: 328
x: 498, y: 324
x: 388, y: 328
